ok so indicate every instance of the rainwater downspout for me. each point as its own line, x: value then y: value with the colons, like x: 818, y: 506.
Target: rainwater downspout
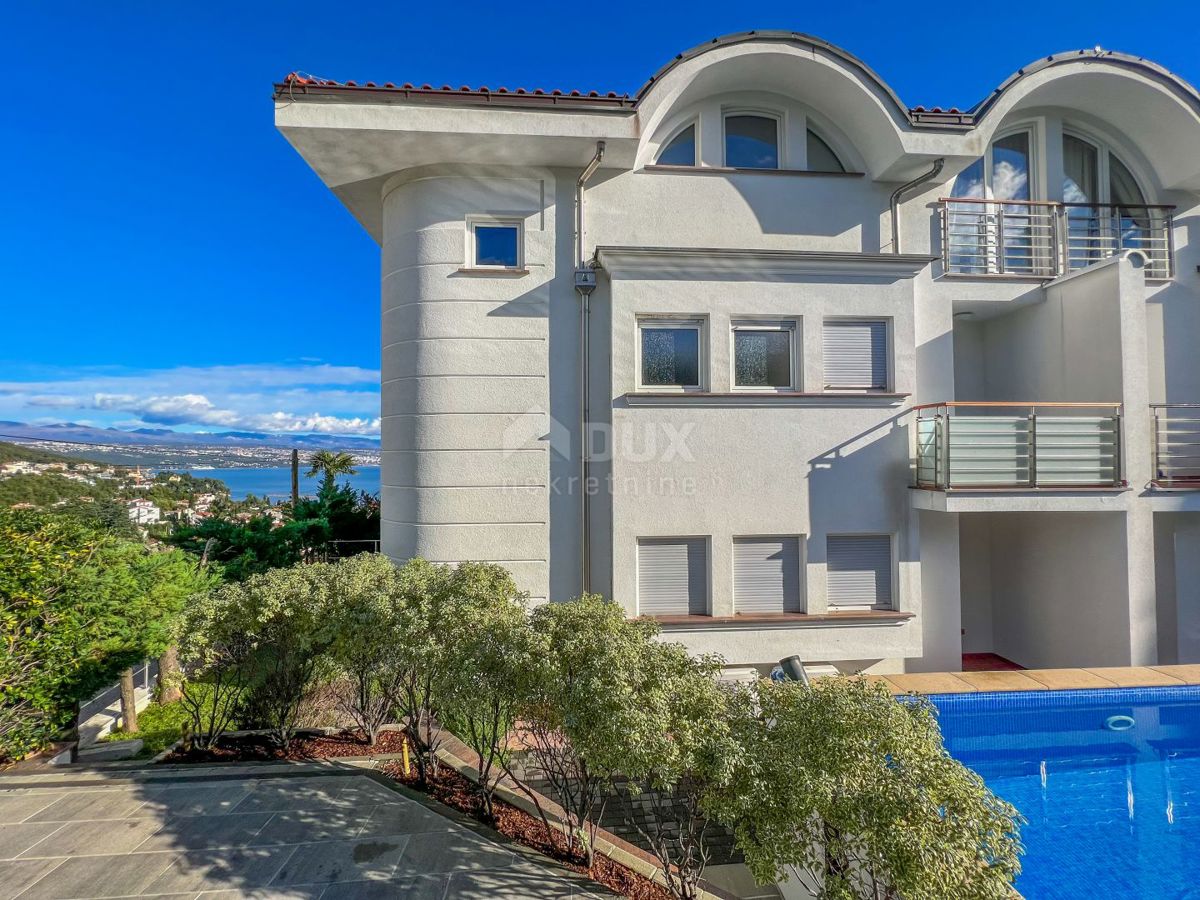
x: 904, y: 189
x: 585, y: 283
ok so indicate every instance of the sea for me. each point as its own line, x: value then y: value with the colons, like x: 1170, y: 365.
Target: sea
x: 275, y: 482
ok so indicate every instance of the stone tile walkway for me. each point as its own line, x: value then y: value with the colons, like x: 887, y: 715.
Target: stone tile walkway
x: 196, y: 835
x: 1041, y: 679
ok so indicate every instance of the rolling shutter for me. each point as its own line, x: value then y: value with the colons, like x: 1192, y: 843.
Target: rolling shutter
x: 856, y: 355
x: 859, y: 570
x: 672, y: 577
x: 766, y: 575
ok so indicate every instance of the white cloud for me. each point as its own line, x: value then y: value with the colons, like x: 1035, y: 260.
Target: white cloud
x: 291, y: 399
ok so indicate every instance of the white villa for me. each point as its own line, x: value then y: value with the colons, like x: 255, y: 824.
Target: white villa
x: 143, y: 512
x: 766, y: 354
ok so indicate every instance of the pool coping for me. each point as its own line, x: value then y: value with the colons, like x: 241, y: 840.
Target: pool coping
x: 1075, y: 679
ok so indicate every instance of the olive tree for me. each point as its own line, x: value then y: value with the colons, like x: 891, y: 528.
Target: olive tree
x: 215, y: 661
x: 852, y: 792
x: 681, y: 745
x: 422, y: 661
x: 268, y: 636
x: 491, y: 653
x: 582, y: 696
x: 368, y: 640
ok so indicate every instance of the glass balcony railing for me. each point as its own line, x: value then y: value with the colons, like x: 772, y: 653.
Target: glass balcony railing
x: 1018, y: 446
x: 1176, y: 444
x: 1047, y: 239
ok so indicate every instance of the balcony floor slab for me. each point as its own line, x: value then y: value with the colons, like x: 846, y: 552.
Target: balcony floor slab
x: 1018, y: 500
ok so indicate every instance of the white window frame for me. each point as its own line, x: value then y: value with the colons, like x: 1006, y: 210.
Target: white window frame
x: 888, y: 352
x: 1104, y: 150
x: 699, y: 324
x: 791, y: 327
x: 893, y: 572
x: 780, y: 134
x: 694, y: 121
x: 490, y: 221
x: 1031, y: 130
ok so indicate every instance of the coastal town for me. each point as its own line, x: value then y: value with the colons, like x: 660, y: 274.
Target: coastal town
x: 154, y: 501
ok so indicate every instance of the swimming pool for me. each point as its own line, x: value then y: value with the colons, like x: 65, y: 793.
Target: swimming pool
x: 1113, y: 812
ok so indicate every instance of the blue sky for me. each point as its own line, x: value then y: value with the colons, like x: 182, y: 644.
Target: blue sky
x: 167, y: 259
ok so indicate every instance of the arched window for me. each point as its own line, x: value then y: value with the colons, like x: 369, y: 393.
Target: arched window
x: 984, y: 237
x: 1003, y: 173
x: 1092, y: 173
x: 751, y: 141
x: 821, y: 157
x: 1106, y: 209
x: 681, y: 149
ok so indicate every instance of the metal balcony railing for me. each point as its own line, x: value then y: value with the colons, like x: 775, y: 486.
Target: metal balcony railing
x: 1176, y: 444
x: 1047, y: 239
x: 986, y: 445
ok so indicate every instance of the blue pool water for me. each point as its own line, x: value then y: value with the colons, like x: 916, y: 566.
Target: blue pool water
x: 1111, y: 814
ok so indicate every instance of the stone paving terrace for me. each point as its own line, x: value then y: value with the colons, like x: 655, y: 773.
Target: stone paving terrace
x: 271, y: 832
x: 1041, y: 679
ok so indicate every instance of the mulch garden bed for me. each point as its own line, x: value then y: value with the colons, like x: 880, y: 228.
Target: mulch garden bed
x: 448, y: 788
x: 260, y: 748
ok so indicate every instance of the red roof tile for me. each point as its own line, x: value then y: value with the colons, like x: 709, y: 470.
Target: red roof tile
x: 305, y: 81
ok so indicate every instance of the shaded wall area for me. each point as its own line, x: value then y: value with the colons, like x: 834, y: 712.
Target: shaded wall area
x: 1046, y: 589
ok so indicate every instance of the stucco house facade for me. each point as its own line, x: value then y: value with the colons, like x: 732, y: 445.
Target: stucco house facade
x: 764, y: 353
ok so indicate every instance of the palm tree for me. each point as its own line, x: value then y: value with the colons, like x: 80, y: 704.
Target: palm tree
x: 330, y: 465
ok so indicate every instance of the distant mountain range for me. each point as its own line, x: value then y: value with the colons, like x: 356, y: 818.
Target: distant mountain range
x: 165, y: 437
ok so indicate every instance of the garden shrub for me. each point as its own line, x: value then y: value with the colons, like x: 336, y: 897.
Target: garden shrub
x: 851, y: 791
x: 491, y: 654
x: 368, y: 640
x: 259, y: 645
x: 580, y: 695
x: 77, y: 605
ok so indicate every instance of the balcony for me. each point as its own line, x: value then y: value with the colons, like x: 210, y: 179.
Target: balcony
x: 1018, y: 446
x: 1176, y: 445
x: 1021, y: 238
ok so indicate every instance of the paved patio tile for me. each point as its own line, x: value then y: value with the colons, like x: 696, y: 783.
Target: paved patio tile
x: 930, y: 683
x: 203, y: 800
x: 99, y: 876
x: 76, y: 807
x: 366, y: 790
x: 299, y: 892
x: 454, y: 851
x: 95, y: 838
x: 403, y: 816
x: 1136, y: 676
x: 305, y: 827
x: 372, y: 858
x: 18, y: 875
x: 1188, y: 674
x: 19, y: 807
x: 502, y: 884
x: 209, y: 870
x: 419, y: 887
x: 287, y: 797
x: 1068, y: 679
x: 339, y: 838
x: 206, y: 832
x: 16, y: 839
x: 1001, y: 681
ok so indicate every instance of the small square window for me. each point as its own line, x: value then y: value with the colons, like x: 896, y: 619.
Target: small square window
x: 670, y: 352
x: 764, y: 356
x: 856, y: 355
x: 496, y: 245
